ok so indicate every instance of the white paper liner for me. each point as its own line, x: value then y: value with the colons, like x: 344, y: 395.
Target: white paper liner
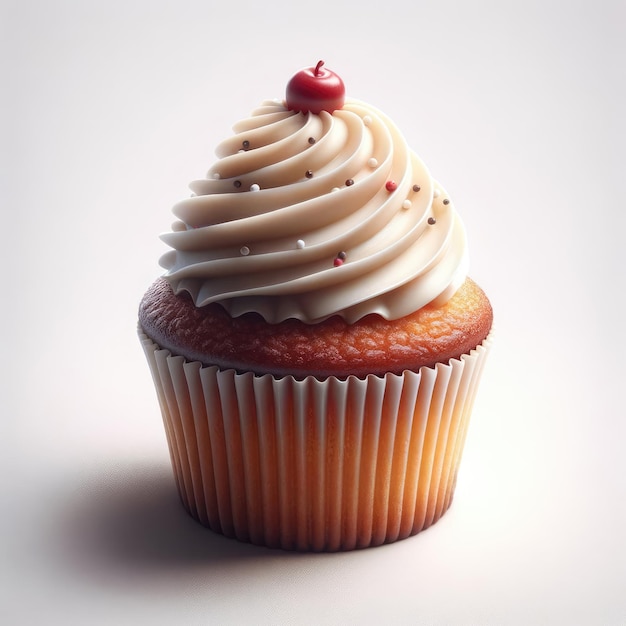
x: 315, y: 465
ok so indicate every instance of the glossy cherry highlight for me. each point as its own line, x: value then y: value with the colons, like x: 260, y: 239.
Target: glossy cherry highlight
x: 315, y: 89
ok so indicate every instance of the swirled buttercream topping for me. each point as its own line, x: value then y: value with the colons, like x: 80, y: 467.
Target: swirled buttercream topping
x: 312, y: 215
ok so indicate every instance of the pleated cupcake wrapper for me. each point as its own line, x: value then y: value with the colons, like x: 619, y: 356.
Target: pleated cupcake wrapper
x: 315, y: 465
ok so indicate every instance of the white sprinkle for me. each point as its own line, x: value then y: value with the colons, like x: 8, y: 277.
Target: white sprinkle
x: 254, y: 187
x: 216, y: 175
x: 244, y: 251
x: 334, y: 189
x: 436, y: 193
x: 406, y: 204
x: 300, y: 244
x: 240, y: 151
x: 367, y: 120
x: 372, y: 162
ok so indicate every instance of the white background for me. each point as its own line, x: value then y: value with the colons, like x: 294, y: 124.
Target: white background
x: 109, y: 109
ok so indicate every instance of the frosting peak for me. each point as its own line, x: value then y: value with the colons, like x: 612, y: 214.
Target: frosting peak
x: 312, y: 215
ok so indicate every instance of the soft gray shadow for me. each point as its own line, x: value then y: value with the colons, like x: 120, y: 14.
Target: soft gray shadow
x: 132, y: 519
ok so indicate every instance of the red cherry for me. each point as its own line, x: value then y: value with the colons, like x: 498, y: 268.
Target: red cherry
x: 315, y: 89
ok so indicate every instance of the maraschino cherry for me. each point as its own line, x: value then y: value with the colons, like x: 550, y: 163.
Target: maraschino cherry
x: 315, y: 89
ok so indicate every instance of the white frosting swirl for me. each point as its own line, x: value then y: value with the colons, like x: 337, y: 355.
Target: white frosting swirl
x: 289, y: 192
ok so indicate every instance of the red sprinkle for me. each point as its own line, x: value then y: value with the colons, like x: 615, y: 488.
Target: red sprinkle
x: 391, y: 185
x: 340, y: 258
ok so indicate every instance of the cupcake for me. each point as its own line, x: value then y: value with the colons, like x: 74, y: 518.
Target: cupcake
x: 315, y: 342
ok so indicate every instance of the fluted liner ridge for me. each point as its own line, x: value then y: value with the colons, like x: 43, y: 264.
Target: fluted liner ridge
x: 315, y: 465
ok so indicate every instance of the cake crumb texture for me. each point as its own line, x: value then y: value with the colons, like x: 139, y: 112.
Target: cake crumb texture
x: 372, y: 345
